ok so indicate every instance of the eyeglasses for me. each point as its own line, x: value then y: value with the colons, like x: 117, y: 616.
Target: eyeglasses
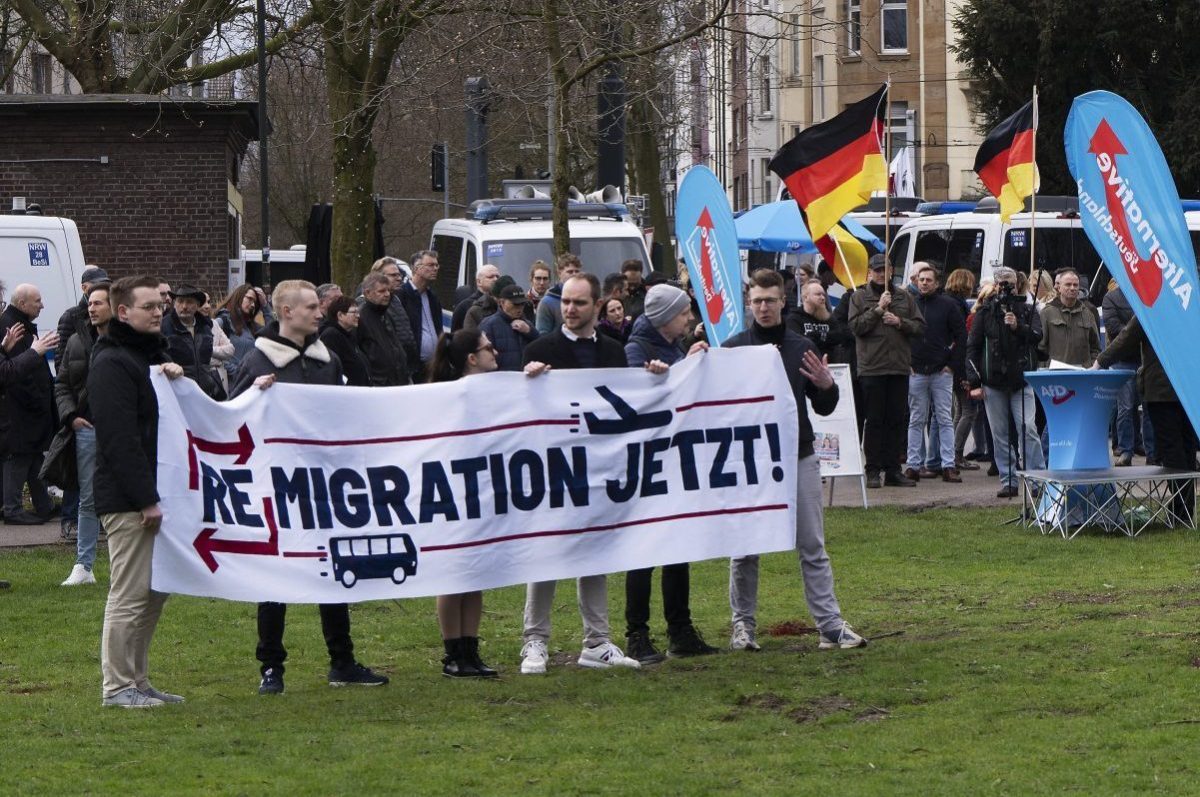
x: 488, y: 347
x: 765, y: 300
x: 148, y: 307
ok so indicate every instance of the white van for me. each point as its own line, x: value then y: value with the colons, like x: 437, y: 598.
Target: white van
x: 979, y: 241
x: 44, y: 251
x: 512, y: 233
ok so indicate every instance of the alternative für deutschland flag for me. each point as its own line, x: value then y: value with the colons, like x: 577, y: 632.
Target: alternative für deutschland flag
x: 833, y: 167
x: 1005, y: 160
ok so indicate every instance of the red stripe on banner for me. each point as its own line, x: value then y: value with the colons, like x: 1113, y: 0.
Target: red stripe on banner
x: 746, y: 510
x: 370, y: 441
x: 306, y: 554
x: 724, y: 403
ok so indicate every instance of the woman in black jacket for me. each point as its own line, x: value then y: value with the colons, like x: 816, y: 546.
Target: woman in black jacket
x: 339, y: 332
x: 464, y: 353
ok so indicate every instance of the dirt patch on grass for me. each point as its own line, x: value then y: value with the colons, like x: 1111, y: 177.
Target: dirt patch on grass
x: 818, y: 707
x: 14, y: 687
x: 768, y: 701
x: 789, y: 628
x: 1093, y: 598
x: 806, y: 711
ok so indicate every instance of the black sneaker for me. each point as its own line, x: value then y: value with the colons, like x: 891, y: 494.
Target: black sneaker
x: 1008, y: 491
x: 272, y: 682
x: 356, y: 675
x: 688, y: 642
x: 873, y: 480
x: 638, y: 646
x: 895, y: 478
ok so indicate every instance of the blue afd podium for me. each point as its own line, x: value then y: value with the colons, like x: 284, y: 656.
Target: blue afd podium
x: 1078, y: 407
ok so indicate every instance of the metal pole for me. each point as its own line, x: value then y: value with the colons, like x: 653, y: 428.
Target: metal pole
x: 445, y: 179
x: 262, y: 142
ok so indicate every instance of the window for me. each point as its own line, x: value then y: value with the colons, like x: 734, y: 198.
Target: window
x: 764, y: 84
x: 766, y: 181
x: 794, y: 27
x: 695, y: 72
x: 737, y: 128
x: 900, y: 134
x: 852, y: 17
x: 41, y: 73
x: 898, y: 253
x: 819, y: 88
x: 6, y: 71
x: 894, y: 26
x: 1057, y: 247
x: 952, y: 249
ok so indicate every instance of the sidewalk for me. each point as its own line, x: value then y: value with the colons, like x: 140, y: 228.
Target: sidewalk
x: 26, y: 536
x: 977, y: 490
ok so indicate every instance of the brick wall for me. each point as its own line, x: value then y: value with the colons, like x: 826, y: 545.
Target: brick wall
x: 159, y: 206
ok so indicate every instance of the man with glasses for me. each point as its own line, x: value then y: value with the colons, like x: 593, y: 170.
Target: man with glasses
x: 810, y: 378
x: 1001, y: 347
x: 423, y: 308
x: 884, y: 324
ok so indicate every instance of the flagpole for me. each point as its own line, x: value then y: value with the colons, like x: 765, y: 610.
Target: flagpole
x: 845, y: 263
x: 887, y: 194
x: 1034, y: 275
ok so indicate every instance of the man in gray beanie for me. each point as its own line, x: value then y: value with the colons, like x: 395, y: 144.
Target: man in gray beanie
x: 656, y: 334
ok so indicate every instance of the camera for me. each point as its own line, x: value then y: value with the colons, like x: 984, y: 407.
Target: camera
x: 1008, y: 298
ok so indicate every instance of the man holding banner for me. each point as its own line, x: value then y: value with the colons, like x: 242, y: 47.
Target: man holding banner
x: 809, y: 377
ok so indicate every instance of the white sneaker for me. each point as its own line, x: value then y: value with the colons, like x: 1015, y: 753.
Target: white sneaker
x: 843, y: 637
x: 79, y: 575
x: 534, y: 657
x: 743, y: 638
x: 132, y: 698
x: 604, y: 656
x: 165, y: 697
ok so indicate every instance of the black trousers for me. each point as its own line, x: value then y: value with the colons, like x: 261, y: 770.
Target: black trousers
x: 1175, y: 445
x: 885, y: 437
x: 335, y: 625
x: 675, y: 590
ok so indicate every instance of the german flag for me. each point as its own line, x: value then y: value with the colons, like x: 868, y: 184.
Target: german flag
x: 1005, y: 160
x: 846, y: 254
x: 833, y: 167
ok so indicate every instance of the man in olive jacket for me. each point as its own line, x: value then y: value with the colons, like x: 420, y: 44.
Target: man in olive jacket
x: 884, y: 324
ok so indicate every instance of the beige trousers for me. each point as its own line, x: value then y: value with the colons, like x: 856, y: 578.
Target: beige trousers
x: 133, y: 608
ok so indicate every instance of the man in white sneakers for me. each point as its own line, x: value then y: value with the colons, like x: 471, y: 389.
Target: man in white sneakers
x: 574, y: 345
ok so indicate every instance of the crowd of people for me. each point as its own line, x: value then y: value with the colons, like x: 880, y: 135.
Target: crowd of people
x: 923, y: 363
x: 92, y: 430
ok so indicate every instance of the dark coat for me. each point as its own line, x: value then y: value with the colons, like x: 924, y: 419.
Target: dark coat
x: 646, y: 343
x: 192, y: 350
x: 380, y: 341
x: 73, y: 320
x: 883, y: 350
x: 124, y: 410
x: 944, y: 342
x: 410, y: 298
x: 274, y: 354
x: 1117, y: 315
x: 29, y: 401
x: 460, y: 310
x: 1132, y: 345
x: 792, y: 351
x: 558, y: 351
x: 510, y: 344
x: 70, y: 387
x: 1000, y: 356
x: 345, y: 345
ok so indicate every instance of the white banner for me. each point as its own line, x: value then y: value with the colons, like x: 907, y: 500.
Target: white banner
x: 317, y: 494
x: 836, y: 444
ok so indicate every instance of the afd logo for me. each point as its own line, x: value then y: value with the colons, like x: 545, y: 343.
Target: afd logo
x: 1058, y: 394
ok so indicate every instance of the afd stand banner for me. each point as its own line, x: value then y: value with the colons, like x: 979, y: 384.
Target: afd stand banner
x: 314, y: 494
x: 708, y: 240
x: 1130, y: 209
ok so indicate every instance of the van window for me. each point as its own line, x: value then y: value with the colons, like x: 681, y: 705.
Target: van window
x: 449, y: 249
x: 960, y: 247
x: 898, y: 254
x: 472, y: 265
x: 1057, y: 247
x: 601, y: 256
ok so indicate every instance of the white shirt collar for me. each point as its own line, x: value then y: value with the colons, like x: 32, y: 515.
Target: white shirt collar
x: 571, y: 336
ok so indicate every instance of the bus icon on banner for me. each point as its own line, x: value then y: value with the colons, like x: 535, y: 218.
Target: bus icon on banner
x: 376, y: 556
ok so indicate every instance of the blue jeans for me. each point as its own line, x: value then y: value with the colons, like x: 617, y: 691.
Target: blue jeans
x: 926, y: 392
x: 1015, y: 408
x: 1127, y: 402
x: 89, y: 524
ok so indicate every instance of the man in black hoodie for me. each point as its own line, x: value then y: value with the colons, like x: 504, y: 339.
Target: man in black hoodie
x: 124, y: 411
x: 810, y: 378
x: 288, y: 350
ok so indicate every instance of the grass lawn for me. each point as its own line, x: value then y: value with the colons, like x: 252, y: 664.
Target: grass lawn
x: 1003, y: 663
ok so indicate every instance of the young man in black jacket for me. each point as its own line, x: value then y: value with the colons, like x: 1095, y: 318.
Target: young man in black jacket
x: 288, y: 350
x: 810, y: 378
x: 124, y: 411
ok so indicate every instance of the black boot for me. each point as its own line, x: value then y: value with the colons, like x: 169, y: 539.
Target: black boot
x: 454, y: 663
x: 470, y: 652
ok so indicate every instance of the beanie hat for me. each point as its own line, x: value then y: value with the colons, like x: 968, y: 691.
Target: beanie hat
x: 664, y: 302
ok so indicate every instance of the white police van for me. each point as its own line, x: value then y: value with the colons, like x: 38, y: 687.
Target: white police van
x: 44, y: 251
x: 513, y: 232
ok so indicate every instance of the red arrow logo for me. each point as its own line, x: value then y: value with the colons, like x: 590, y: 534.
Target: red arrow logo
x: 206, y: 545
x: 1070, y: 394
x: 1144, y: 274
x: 242, y: 449
x: 713, y: 302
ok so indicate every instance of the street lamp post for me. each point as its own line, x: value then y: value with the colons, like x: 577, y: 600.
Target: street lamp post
x: 261, y: 36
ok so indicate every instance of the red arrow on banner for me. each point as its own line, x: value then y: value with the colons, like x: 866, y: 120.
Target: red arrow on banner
x: 242, y: 449
x: 206, y: 544
x: 1144, y: 274
x: 713, y: 301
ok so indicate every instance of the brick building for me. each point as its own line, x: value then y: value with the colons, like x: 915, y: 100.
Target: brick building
x: 151, y: 181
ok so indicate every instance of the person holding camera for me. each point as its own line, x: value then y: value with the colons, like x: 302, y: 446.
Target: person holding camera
x: 1003, y: 344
